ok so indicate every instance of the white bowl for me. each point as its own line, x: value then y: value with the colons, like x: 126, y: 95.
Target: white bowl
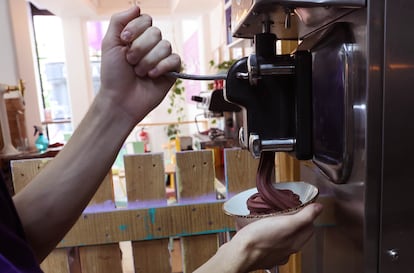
x: 237, y: 205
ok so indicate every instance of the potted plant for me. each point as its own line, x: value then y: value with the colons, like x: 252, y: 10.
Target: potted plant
x: 176, y: 98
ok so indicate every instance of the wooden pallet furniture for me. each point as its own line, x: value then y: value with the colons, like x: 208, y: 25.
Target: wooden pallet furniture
x: 149, y: 222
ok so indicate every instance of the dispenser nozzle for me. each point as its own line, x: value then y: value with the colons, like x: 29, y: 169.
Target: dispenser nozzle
x: 37, y: 130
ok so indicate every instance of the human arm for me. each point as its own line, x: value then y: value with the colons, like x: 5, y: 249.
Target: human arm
x: 264, y: 243
x: 134, y: 60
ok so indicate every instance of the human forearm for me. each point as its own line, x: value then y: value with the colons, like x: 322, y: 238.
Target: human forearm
x: 46, y: 206
x: 228, y: 259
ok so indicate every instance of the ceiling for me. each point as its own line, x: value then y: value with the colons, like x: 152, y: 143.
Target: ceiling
x: 104, y: 8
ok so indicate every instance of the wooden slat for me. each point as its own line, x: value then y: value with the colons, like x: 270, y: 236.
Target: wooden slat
x: 196, y: 178
x: 293, y: 265
x: 56, y: 262
x: 148, y: 223
x: 288, y: 47
x: 74, y: 260
x: 195, y: 172
x: 101, y: 259
x: 145, y: 181
x: 145, y: 177
x: 105, y: 191
x: 240, y: 170
x: 287, y: 168
x: 151, y: 256
x: 23, y: 171
x: 197, y: 250
x: 176, y: 255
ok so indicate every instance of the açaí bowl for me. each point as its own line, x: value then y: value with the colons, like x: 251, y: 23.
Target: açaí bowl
x: 237, y: 205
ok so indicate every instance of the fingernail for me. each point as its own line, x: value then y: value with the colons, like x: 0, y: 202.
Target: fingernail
x: 126, y: 35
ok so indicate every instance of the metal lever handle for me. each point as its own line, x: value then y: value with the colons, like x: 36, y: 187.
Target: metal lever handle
x: 265, y: 69
x: 184, y: 76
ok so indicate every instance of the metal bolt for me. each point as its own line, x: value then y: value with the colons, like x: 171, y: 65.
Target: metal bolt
x: 393, y: 254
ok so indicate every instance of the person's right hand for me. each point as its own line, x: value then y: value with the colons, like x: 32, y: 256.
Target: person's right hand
x: 135, y: 59
x: 270, y: 241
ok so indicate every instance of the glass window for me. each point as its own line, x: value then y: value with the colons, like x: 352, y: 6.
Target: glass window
x: 55, y: 101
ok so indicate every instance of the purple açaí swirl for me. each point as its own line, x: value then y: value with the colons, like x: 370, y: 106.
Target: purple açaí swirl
x: 268, y: 199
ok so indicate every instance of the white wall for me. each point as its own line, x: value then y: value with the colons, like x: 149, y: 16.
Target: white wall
x: 19, y: 58
x: 77, y: 67
x: 8, y: 69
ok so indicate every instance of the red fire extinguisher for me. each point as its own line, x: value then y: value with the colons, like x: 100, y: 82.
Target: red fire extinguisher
x: 144, y: 137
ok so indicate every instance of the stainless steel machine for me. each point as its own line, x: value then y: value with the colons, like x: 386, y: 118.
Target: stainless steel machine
x: 342, y: 103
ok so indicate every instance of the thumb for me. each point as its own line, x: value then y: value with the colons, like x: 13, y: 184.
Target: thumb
x: 117, y: 24
x: 308, y: 214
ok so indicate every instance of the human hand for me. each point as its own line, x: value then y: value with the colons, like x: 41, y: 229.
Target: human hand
x: 134, y: 61
x: 270, y: 241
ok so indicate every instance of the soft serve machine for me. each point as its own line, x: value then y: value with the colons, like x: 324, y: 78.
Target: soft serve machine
x: 342, y: 101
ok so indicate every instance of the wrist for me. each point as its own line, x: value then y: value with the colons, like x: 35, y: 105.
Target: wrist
x: 228, y: 259
x: 111, y: 110
x: 134, y: 105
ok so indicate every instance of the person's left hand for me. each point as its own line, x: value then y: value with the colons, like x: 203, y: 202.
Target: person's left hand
x: 270, y: 241
x: 134, y: 61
